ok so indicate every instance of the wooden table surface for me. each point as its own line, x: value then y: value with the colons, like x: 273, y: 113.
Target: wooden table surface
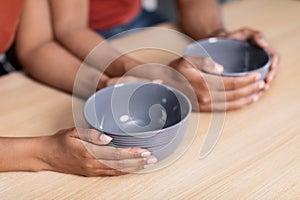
x: 256, y: 157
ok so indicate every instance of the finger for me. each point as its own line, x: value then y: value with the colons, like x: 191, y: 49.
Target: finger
x: 125, y: 79
x: 241, y: 103
x: 215, y: 69
x: 243, y: 34
x: 157, y: 81
x: 105, y: 172
x: 212, y: 83
x: 113, y: 172
x: 133, y: 169
x: 195, y: 78
x: 274, y: 56
x: 136, y: 163
x: 230, y: 83
x: 247, y: 34
x: 275, y: 59
x: 230, y: 105
x: 267, y: 87
x: 128, y: 79
x: 272, y: 71
x: 231, y: 95
x: 259, y: 40
x: 270, y: 77
x: 94, y: 136
x: 112, y: 153
x: 204, y: 63
x: 218, y: 67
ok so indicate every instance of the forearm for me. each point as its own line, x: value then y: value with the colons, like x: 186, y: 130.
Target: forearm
x: 80, y: 41
x: 95, y: 50
x: 71, y: 28
x: 53, y: 65
x: 50, y: 64
x: 21, y: 154
x: 199, y: 18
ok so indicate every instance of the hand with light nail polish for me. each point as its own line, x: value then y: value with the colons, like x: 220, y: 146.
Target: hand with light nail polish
x: 214, y: 92
x: 84, y: 152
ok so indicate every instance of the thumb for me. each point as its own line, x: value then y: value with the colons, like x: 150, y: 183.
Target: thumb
x: 260, y: 40
x: 216, y: 68
x: 157, y: 81
x: 93, y: 136
x: 205, y: 64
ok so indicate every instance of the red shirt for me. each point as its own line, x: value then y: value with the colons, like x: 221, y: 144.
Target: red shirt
x: 10, y: 11
x: 105, y: 14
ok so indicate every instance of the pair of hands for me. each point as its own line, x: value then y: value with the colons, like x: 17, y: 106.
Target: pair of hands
x: 213, y: 92
x: 235, y: 92
x: 83, y: 152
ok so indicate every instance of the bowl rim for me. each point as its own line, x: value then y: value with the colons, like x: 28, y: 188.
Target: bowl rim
x: 177, y: 92
x: 230, y: 74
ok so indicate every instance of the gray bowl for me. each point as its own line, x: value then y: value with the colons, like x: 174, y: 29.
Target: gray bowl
x: 140, y: 114
x: 237, y: 57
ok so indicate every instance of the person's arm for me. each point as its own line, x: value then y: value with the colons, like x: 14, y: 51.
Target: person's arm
x: 200, y: 18
x: 43, y: 58
x: 20, y: 154
x: 70, y: 21
x: 71, y: 151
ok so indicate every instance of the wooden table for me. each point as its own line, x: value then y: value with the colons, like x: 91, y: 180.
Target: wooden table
x: 256, y: 157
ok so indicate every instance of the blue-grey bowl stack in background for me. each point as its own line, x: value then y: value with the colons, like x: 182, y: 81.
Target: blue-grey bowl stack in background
x: 238, y: 58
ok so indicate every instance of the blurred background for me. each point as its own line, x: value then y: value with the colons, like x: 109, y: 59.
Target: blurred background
x: 168, y: 7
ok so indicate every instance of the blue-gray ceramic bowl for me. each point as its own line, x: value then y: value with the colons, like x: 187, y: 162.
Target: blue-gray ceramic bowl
x: 140, y: 114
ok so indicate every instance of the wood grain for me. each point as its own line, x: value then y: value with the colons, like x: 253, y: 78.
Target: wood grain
x: 256, y: 157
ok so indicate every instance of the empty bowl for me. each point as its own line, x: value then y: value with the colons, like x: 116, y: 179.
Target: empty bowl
x: 238, y: 58
x: 140, y: 114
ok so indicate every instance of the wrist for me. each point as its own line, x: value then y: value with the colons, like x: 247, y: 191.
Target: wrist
x: 220, y: 32
x: 22, y: 154
x: 39, y: 154
x: 126, y: 63
x: 102, y: 82
x: 119, y: 66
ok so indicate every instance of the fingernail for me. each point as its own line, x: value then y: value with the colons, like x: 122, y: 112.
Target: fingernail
x: 218, y: 68
x: 261, y: 85
x: 105, y: 138
x: 152, y: 160
x: 257, y: 77
x: 267, y: 87
x: 255, y: 98
x: 263, y: 42
x: 148, y: 166
x: 205, y: 100
x: 158, y: 81
x: 271, y: 79
x: 145, y: 154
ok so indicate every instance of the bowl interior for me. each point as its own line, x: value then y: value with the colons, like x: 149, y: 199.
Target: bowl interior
x: 135, y: 107
x: 236, y: 56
